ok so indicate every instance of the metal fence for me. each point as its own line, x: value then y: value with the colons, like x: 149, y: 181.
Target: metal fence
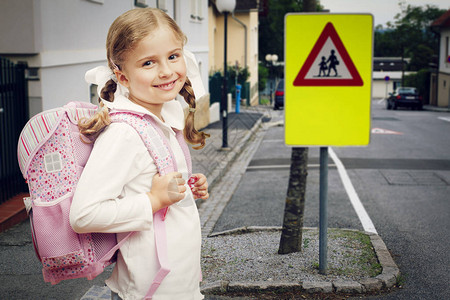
x: 13, y: 116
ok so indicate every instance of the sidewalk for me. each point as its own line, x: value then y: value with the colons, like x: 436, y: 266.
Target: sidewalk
x: 213, y: 162
x: 13, y: 211
x: 242, y: 263
x: 436, y: 109
x: 224, y: 170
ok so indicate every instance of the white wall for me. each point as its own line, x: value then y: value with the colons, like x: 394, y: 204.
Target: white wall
x: 197, y: 34
x: 73, y: 40
x: 65, y: 38
x: 19, y: 27
x: 444, y: 65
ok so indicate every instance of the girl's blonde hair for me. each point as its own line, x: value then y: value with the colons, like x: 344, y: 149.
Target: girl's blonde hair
x: 123, y: 35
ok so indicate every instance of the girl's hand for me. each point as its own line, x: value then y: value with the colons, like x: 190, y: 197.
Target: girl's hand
x: 166, y: 190
x: 200, y: 189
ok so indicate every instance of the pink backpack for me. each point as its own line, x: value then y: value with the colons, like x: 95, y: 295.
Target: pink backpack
x: 52, y: 154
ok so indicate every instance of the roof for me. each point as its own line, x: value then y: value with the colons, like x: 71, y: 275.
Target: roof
x: 389, y: 63
x: 392, y: 75
x: 442, y: 21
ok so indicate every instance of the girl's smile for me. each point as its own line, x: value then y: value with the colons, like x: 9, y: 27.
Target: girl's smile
x: 154, y: 71
x: 166, y: 87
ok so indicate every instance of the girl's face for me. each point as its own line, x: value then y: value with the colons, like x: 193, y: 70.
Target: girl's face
x: 154, y: 71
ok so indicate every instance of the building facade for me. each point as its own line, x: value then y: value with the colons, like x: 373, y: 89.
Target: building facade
x: 242, y: 48
x: 440, y: 94
x: 387, y: 75
x: 61, y: 40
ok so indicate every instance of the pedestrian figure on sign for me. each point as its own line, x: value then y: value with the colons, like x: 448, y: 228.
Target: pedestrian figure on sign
x: 332, y: 59
x: 323, y: 67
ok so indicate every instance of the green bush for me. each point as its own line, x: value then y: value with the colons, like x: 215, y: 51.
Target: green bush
x: 421, y: 81
x: 216, y: 81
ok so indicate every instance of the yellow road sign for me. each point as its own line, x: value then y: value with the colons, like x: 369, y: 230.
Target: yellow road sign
x: 328, y: 79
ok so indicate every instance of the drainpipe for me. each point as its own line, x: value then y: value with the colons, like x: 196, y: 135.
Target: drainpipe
x: 245, y: 37
x: 175, y: 10
x: 436, y: 96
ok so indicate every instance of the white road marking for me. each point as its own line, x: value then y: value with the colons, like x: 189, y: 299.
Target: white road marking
x: 283, y: 166
x: 444, y: 119
x: 354, y: 199
x: 384, y: 131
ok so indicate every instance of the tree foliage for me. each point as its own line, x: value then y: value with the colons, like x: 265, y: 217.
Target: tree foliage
x: 410, y: 36
x: 271, y: 27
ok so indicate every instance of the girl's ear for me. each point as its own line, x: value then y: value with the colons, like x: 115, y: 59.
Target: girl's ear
x: 121, y: 78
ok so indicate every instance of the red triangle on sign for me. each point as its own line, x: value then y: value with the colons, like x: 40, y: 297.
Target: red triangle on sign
x: 328, y: 32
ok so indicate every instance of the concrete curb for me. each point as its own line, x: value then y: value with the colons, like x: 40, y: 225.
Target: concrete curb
x: 436, y: 108
x: 224, y: 166
x: 230, y: 173
x: 387, y: 279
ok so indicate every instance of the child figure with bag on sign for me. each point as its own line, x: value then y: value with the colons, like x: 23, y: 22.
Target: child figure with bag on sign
x: 120, y: 189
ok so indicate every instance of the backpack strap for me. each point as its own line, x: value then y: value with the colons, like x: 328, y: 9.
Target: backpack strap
x: 161, y: 251
x: 161, y: 152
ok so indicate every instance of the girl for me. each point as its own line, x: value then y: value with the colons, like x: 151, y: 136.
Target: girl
x: 120, y: 190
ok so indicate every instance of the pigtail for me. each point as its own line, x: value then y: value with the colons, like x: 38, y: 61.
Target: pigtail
x: 108, y: 90
x: 93, y: 126
x: 190, y: 133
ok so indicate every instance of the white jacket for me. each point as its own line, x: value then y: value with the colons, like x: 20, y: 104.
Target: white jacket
x: 111, y: 197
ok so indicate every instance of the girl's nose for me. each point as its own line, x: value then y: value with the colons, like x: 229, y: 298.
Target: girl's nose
x: 165, y: 70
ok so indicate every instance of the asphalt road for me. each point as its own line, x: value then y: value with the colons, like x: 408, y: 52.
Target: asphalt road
x: 402, y: 178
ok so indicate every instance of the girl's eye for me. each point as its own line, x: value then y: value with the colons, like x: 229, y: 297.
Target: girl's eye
x: 148, y: 63
x: 173, y: 56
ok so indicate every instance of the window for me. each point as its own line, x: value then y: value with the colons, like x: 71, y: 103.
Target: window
x: 161, y: 4
x: 53, y: 162
x: 140, y: 3
x: 197, y: 10
x: 446, y: 49
x: 97, y: 1
x: 93, y: 94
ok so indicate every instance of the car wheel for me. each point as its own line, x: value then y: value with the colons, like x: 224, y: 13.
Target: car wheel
x: 388, y: 105
x: 394, y: 106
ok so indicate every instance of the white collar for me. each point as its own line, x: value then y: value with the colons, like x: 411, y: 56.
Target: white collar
x: 171, y: 112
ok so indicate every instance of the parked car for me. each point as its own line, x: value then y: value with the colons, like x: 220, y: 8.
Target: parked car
x: 404, y: 97
x: 279, y: 95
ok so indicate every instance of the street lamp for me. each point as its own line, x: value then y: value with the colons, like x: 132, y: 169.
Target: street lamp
x: 271, y: 59
x: 225, y: 7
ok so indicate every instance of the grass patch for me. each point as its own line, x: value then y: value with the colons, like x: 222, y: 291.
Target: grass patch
x: 365, y: 258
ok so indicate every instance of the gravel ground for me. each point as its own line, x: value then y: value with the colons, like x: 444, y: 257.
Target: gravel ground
x: 243, y: 256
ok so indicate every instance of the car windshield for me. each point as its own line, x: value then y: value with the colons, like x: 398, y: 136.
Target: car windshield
x: 406, y: 90
x: 280, y: 86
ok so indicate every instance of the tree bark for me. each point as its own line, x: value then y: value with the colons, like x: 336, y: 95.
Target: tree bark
x: 291, y: 235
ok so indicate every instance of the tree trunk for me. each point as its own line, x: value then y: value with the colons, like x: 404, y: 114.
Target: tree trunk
x: 291, y: 236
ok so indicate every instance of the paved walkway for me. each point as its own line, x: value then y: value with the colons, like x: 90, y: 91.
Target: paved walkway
x: 215, y: 163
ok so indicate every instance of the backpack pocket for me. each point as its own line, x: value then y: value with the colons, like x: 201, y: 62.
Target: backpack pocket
x: 57, y: 244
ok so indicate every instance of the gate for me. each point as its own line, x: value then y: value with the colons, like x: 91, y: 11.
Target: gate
x: 13, y: 116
